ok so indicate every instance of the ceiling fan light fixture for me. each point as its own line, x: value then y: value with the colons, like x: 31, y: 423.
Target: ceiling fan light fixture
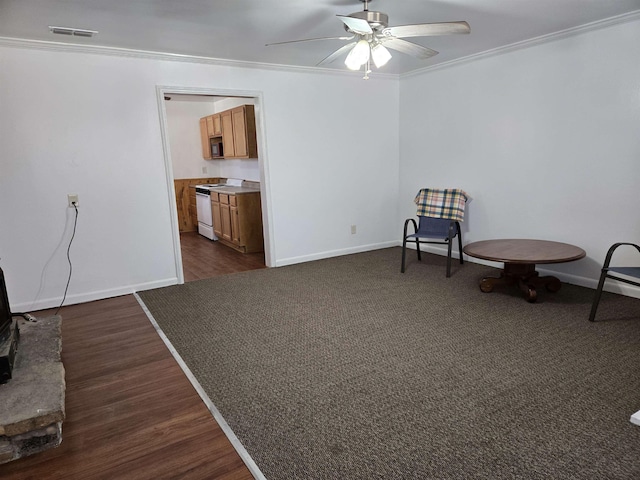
x: 369, y: 30
x: 380, y: 55
x: 358, y: 56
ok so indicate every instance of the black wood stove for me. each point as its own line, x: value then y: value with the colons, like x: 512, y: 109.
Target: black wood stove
x: 9, y: 334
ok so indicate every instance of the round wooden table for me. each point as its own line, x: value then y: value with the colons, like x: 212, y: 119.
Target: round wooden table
x: 520, y: 257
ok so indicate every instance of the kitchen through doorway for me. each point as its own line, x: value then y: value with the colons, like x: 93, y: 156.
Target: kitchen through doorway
x: 197, y: 256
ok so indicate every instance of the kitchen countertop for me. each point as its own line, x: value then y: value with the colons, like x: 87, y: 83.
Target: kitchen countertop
x: 229, y: 190
x: 233, y: 190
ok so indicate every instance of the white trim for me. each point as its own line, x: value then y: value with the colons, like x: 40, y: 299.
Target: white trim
x: 168, y: 168
x: 335, y: 253
x: 91, y: 296
x: 265, y: 182
x: 266, y: 201
x: 551, y: 37
x: 235, y: 442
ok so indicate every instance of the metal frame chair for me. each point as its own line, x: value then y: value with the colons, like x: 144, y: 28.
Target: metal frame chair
x: 429, y: 227
x: 607, y: 273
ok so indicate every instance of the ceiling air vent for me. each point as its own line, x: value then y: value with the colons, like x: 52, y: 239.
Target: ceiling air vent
x: 76, y: 32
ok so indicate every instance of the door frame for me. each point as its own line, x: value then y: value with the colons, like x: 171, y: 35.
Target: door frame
x: 263, y: 165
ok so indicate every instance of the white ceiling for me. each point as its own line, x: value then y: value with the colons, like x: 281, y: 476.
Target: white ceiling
x: 239, y: 29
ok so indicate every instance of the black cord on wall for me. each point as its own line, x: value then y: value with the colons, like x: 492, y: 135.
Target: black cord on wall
x: 75, y: 223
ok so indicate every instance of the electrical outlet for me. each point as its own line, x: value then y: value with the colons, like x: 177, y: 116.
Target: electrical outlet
x: 73, y: 199
x: 204, y: 169
x: 353, y: 229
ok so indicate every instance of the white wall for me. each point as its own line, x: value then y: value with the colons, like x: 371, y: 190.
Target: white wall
x: 89, y: 124
x: 545, y: 139
x: 183, y: 116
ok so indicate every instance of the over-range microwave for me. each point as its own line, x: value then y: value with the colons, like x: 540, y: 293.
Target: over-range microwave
x: 216, y: 148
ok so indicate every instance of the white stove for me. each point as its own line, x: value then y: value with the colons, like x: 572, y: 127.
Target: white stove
x: 203, y: 208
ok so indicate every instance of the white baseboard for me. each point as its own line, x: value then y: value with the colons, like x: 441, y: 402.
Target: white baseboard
x: 334, y: 253
x: 91, y: 296
x: 609, y: 286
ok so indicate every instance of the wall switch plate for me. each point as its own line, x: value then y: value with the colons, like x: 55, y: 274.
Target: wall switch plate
x: 73, y: 198
x: 353, y: 229
x: 204, y: 169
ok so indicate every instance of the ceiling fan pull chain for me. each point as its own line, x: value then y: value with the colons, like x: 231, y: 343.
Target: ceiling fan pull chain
x: 367, y: 70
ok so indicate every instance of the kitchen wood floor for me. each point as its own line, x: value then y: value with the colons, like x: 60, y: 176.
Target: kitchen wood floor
x: 202, y: 258
x: 131, y: 413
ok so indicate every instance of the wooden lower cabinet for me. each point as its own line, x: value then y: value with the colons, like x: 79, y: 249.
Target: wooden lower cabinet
x: 237, y: 220
x: 235, y: 225
x: 216, y: 214
x: 225, y: 214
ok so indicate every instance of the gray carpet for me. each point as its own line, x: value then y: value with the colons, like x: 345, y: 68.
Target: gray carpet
x: 347, y: 369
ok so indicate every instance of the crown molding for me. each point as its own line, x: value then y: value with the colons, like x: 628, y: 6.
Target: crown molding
x: 551, y: 37
x: 171, y: 57
x: 175, y: 57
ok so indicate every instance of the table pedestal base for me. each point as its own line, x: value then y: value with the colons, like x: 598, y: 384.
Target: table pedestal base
x: 523, y: 275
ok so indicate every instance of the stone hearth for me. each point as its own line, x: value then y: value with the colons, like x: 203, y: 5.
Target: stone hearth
x: 32, y: 402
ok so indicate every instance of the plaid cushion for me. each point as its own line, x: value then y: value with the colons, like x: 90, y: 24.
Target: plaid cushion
x: 441, y: 203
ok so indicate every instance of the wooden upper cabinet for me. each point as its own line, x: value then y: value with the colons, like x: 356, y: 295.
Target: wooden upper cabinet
x: 209, y: 120
x: 244, y: 132
x: 238, y: 118
x: 204, y: 139
x: 217, y: 125
x: 228, y: 143
x: 214, y: 125
x: 237, y: 127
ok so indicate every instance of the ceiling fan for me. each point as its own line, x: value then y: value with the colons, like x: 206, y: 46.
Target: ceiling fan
x: 372, y: 37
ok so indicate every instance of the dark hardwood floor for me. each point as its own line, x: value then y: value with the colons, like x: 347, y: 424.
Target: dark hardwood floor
x: 202, y: 258
x: 131, y: 413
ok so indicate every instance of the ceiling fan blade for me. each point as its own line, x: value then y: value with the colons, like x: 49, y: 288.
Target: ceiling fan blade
x: 426, y: 29
x: 409, y: 48
x: 356, y: 25
x: 336, y: 54
x: 311, y: 40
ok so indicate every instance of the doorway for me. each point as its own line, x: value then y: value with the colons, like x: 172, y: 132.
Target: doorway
x: 197, y: 257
